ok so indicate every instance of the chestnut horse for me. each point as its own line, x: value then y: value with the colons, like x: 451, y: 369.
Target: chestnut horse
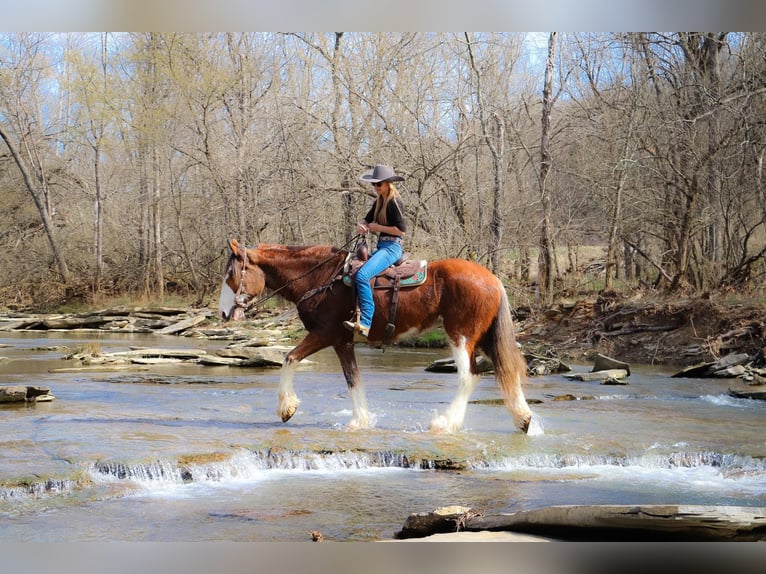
x: 466, y: 299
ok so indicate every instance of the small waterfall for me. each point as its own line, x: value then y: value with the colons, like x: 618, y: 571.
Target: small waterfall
x: 37, y: 489
x: 250, y: 465
x: 719, y: 461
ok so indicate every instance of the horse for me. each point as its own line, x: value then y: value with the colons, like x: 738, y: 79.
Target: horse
x: 464, y: 298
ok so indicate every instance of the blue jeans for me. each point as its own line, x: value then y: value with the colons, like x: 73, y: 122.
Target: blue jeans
x: 386, y: 254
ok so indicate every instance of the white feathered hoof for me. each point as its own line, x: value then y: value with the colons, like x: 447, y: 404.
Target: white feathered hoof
x: 288, y: 404
x: 442, y: 425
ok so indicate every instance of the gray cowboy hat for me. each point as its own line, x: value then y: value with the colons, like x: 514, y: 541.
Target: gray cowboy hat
x: 380, y: 173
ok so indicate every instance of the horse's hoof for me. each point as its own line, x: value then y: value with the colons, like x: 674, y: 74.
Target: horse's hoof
x: 288, y: 404
x: 288, y: 414
x: 440, y: 425
x: 524, y: 426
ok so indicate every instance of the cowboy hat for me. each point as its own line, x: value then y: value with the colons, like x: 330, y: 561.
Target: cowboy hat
x: 380, y: 173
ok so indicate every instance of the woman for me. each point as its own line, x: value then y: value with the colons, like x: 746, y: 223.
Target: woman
x: 386, y: 218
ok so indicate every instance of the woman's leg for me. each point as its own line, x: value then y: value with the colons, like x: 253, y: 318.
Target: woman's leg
x: 383, y: 257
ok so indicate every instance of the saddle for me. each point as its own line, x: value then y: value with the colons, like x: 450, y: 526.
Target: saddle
x: 404, y: 273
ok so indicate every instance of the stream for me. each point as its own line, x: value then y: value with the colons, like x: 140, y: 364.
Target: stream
x: 185, y: 452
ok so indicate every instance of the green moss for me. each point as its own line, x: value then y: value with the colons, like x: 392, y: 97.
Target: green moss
x: 430, y: 340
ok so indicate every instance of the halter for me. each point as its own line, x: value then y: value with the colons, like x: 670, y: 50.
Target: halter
x: 241, y: 295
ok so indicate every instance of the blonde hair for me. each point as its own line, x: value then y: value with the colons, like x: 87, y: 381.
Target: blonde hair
x: 381, y: 204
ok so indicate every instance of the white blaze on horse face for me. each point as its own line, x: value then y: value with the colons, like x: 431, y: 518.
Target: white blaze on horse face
x: 226, y: 300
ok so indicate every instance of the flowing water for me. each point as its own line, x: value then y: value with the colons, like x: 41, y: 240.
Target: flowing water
x: 197, y: 453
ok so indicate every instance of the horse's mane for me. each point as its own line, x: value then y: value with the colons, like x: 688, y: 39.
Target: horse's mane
x: 308, y: 250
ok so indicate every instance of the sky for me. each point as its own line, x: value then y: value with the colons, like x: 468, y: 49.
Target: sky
x: 382, y: 15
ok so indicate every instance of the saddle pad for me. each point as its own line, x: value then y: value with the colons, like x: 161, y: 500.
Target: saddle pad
x: 410, y: 273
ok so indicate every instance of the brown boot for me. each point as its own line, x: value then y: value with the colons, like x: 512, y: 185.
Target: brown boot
x: 358, y: 330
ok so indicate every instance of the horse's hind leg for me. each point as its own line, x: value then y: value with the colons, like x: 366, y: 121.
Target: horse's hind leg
x: 361, y: 418
x: 452, y: 419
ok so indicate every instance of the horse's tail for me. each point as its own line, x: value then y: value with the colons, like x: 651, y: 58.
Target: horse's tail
x: 499, y: 343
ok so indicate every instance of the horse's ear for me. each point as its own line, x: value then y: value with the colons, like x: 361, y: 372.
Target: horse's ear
x: 234, y: 246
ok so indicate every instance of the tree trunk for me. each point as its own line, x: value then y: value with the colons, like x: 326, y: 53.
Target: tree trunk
x: 496, y: 146
x: 545, y: 259
x: 43, y: 207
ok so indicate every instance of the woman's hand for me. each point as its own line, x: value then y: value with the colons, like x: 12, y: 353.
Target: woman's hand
x: 362, y: 228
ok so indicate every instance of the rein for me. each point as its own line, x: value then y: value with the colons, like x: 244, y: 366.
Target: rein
x: 239, y: 298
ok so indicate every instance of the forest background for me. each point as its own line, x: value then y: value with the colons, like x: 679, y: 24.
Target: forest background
x: 566, y: 163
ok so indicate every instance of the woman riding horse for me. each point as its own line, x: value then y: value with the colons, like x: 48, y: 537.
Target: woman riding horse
x: 385, y: 217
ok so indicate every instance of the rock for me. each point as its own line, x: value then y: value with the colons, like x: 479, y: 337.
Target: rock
x: 481, y: 536
x: 604, y: 363
x: 247, y: 357
x: 731, y: 360
x: 730, y: 372
x: 758, y: 395
x: 182, y: 325
x: 614, y: 381
x: 698, y: 370
x: 13, y: 394
x: 75, y: 322
x: 448, y: 365
x: 190, y: 354
x: 599, y: 375
x: 22, y: 394
x: 732, y: 365
x: 539, y: 365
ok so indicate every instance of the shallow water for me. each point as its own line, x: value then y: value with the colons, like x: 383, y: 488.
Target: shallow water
x: 193, y: 453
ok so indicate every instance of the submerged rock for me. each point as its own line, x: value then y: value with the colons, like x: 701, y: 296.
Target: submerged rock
x: 25, y: 394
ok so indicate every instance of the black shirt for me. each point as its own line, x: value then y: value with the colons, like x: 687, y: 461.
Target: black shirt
x: 394, y: 216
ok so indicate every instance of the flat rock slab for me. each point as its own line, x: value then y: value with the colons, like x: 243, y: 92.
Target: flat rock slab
x: 757, y: 393
x: 182, y: 325
x: 598, y: 375
x: 603, y: 523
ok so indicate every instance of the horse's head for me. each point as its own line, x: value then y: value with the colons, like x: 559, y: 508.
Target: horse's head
x: 242, y: 281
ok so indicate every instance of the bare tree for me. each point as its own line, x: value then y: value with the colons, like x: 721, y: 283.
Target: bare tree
x: 23, y: 129
x: 546, y: 257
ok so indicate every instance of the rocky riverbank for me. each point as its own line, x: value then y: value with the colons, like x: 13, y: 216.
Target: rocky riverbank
x: 643, y: 330
x: 678, y: 332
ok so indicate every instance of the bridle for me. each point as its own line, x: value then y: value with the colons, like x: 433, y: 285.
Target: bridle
x: 241, y: 296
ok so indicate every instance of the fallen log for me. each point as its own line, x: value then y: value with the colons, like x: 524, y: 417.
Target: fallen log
x: 686, y: 523
x: 637, y: 329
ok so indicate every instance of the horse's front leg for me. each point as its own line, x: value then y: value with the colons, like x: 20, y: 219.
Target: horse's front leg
x: 361, y: 417
x: 288, y: 400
